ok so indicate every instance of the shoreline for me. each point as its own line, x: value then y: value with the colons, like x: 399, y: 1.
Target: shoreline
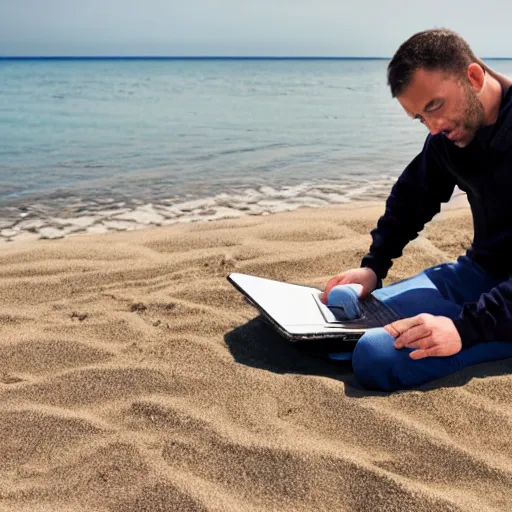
x: 37, y: 222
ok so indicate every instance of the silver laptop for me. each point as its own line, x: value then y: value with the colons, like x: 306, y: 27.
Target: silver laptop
x: 298, y: 314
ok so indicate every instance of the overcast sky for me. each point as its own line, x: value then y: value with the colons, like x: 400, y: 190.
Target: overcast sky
x: 244, y: 27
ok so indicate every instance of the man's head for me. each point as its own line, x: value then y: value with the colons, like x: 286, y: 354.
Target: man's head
x: 437, y: 79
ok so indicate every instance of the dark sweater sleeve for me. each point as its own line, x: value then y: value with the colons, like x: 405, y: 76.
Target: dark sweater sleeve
x: 414, y: 199
x: 489, y: 319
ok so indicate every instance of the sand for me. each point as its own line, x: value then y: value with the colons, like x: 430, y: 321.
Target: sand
x: 135, y: 378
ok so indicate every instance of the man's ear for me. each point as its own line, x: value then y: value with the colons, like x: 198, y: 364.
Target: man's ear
x: 476, y: 76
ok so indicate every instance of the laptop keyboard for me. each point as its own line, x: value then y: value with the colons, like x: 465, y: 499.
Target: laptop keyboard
x: 375, y: 313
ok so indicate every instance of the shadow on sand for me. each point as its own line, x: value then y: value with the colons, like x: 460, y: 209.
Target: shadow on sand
x: 258, y: 345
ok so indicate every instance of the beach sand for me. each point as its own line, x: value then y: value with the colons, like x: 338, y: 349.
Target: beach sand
x: 134, y: 378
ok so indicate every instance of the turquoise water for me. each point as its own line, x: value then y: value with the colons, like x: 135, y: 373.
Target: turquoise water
x: 150, y: 131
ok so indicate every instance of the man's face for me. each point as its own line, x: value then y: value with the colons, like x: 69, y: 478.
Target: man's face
x: 444, y: 103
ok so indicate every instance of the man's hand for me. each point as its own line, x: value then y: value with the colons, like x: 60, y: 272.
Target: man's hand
x: 363, y: 276
x: 430, y: 335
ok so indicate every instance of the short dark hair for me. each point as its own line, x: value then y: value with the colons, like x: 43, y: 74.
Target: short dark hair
x: 434, y: 49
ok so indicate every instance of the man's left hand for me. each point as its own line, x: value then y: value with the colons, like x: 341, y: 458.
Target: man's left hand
x: 430, y: 335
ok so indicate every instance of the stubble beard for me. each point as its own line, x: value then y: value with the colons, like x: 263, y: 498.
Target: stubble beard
x: 473, y: 117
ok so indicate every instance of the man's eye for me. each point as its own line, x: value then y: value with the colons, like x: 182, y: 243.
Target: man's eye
x: 436, y: 105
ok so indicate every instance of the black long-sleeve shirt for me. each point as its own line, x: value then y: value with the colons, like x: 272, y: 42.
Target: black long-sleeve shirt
x: 483, y: 170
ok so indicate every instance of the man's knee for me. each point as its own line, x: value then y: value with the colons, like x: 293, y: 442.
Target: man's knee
x: 346, y: 299
x: 373, y: 360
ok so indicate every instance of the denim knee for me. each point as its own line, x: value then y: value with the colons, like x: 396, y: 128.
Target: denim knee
x: 346, y: 298
x: 373, y: 360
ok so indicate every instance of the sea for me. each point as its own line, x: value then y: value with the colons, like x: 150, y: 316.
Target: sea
x: 82, y: 136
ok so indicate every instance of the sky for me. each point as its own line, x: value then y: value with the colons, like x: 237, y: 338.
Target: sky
x: 356, y: 28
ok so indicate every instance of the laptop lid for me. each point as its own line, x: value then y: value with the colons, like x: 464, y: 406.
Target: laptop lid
x: 295, y: 310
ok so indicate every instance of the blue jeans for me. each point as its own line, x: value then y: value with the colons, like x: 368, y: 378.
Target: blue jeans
x: 440, y: 290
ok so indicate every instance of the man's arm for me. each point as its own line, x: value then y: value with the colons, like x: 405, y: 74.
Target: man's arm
x: 489, y: 319
x: 415, y: 198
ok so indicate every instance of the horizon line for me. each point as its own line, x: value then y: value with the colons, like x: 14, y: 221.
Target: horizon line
x: 198, y: 57
x: 183, y: 57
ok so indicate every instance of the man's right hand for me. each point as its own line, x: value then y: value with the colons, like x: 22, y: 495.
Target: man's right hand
x: 363, y: 276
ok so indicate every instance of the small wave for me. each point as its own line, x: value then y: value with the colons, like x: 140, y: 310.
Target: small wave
x: 78, y: 164
x: 250, y: 149
x: 101, y: 215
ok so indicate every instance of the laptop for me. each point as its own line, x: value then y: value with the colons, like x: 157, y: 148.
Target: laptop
x: 298, y: 314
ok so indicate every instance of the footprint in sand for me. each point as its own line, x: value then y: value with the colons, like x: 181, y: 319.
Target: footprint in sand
x: 10, y: 379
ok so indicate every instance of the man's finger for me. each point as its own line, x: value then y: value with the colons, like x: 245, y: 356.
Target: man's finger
x: 325, y: 294
x: 416, y: 333
x: 422, y: 343
x: 335, y: 281
x: 421, y: 353
x: 400, y: 326
x: 323, y: 297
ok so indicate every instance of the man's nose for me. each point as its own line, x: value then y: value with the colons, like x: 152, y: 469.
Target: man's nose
x: 435, y: 126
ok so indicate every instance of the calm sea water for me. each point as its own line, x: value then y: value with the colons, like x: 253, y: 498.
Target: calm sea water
x: 154, y: 130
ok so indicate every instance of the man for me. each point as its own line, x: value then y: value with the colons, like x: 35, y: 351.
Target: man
x: 456, y: 314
